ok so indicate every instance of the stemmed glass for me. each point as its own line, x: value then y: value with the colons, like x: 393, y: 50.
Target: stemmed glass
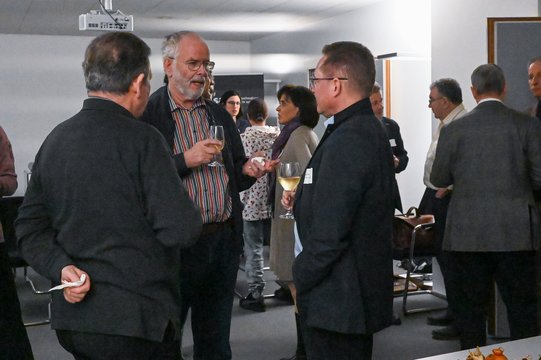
x: 217, y: 133
x: 289, y: 177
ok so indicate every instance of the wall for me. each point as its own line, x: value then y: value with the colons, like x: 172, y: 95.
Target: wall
x: 459, y: 36
x: 42, y: 84
x: 384, y: 27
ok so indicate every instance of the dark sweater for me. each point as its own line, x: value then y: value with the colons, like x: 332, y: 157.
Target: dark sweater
x: 105, y: 197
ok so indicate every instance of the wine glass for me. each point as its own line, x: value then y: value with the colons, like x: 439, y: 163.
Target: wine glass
x: 217, y: 133
x: 289, y: 177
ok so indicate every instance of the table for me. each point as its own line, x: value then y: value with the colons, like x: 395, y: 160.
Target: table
x: 514, y: 350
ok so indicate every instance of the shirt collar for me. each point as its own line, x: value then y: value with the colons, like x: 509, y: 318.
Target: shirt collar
x: 174, y: 106
x: 453, y: 114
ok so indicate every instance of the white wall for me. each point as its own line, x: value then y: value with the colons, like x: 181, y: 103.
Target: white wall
x: 384, y: 27
x: 459, y: 36
x: 42, y: 84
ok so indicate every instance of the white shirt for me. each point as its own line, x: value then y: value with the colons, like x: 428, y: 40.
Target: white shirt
x: 455, y: 114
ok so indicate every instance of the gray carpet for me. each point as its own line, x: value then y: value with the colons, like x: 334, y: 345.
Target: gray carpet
x: 262, y: 336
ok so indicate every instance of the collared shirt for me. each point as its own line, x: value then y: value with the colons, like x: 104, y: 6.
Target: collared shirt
x: 208, y: 186
x: 455, y: 114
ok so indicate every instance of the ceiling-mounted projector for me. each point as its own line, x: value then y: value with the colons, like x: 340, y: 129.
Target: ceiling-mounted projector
x: 106, y: 19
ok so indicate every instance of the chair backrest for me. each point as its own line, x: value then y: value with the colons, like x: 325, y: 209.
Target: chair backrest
x: 9, y: 208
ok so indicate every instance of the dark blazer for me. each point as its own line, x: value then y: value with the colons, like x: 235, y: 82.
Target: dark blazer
x: 397, y: 146
x: 158, y: 114
x: 344, y: 274
x: 105, y: 196
x: 492, y: 156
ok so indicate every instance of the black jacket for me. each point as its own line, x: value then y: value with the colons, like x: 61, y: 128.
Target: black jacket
x: 397, y: 146
x: 158, y: 114
x: 344, y: 212
x: 104, y: 196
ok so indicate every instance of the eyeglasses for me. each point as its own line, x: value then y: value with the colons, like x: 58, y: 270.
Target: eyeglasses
x: 430, y: 101
x: 194, y: 65
x: 233, y: 103
x: 312, y: 80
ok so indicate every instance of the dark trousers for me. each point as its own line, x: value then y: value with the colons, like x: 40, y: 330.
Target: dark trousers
x: 473, y: 275
x: 14, y: 342
x: 430, y: 204
x: 322, y: 344
x: 87, y: 346
x: 208, y: 275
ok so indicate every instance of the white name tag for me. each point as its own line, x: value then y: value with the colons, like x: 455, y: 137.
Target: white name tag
x: 308, y: 176
x: 392, y: 142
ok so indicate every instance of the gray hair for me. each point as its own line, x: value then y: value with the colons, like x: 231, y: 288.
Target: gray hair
x: 448, y: 88
x: 376, y: 88
x: 171, y: 41
x: 488, y: 78
x: 113, y: 60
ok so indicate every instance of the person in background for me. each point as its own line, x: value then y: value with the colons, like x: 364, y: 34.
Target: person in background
x: 534, y: 82
x: 232, y: 103
x: 257, y: 211
x: 445, y: 101
x: 209, y: 267
x: 297, y: 112
x: 208, y: 92
x: 105, y: 207
x: 400, y: 155
x: 343, y: 207
x: 492, y: 230
x: 14, y: 344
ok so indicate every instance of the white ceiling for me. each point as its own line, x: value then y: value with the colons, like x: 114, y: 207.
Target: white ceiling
x: 213, y: 19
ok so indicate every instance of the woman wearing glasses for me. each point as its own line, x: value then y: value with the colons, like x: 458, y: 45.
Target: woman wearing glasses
x: 232, y: 102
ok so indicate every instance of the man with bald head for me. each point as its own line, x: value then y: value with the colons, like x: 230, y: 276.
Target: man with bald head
x: 183, y: 116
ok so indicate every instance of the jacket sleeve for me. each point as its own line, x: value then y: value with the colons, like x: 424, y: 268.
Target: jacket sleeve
x: 533, y: 146
x: 8, y: 177
x: 36, y: 236
x: 170, y: 211
x: 399, y: 151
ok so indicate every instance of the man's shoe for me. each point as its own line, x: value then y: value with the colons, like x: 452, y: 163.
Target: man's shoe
x: 447, y: 333
x: 252, y: 303
x: 283, y: 295
x: 440, y: 320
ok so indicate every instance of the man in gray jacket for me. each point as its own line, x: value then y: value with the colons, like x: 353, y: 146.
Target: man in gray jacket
x: 492, y: 156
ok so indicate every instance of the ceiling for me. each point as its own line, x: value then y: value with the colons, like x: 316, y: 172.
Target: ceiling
x: 214, y: 19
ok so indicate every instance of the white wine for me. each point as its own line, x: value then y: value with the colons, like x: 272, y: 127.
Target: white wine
x: 289, y: 183
x: 220, y: 147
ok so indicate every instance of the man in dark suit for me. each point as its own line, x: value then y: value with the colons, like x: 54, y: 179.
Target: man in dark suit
x: 105, y: 202
x: 400, y: 155
x: 344, y: 211
x: 183, y: 116
x: 492, y: 156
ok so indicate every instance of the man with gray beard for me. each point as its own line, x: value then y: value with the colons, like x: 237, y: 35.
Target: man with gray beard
x: 183, y: 116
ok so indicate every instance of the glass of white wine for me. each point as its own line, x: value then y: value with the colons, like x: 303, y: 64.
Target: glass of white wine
x: 289, y: 177
x: 217, y: 133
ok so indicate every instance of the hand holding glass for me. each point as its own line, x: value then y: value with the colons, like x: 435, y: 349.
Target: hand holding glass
x: 217, y: 133
x: 289, y: 177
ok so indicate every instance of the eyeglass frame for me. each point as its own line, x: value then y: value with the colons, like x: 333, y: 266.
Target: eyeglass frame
x: 311, y: 80
x: 430, y: 101
x: 209, y: 65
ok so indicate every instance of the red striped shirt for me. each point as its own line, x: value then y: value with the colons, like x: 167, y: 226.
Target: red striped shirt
x: 208, y: 186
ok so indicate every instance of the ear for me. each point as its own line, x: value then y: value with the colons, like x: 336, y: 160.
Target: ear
x: 336, y: 87
x: 137, y: 84
x: 474, y: 92
x: 168, y: 66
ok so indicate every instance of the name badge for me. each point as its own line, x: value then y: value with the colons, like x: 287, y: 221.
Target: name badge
x: 392, y: 142
x: 308, y: 176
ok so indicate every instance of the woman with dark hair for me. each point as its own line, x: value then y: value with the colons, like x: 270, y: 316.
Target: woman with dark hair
x: 232, y: 103
x: 257, y: 212
x: 297, y: 111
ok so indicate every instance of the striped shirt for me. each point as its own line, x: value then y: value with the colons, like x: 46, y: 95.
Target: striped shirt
x: 208, y: 186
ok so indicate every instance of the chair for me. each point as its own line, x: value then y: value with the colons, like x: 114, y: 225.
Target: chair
x: 410, y: 262
x: 9, y: 207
